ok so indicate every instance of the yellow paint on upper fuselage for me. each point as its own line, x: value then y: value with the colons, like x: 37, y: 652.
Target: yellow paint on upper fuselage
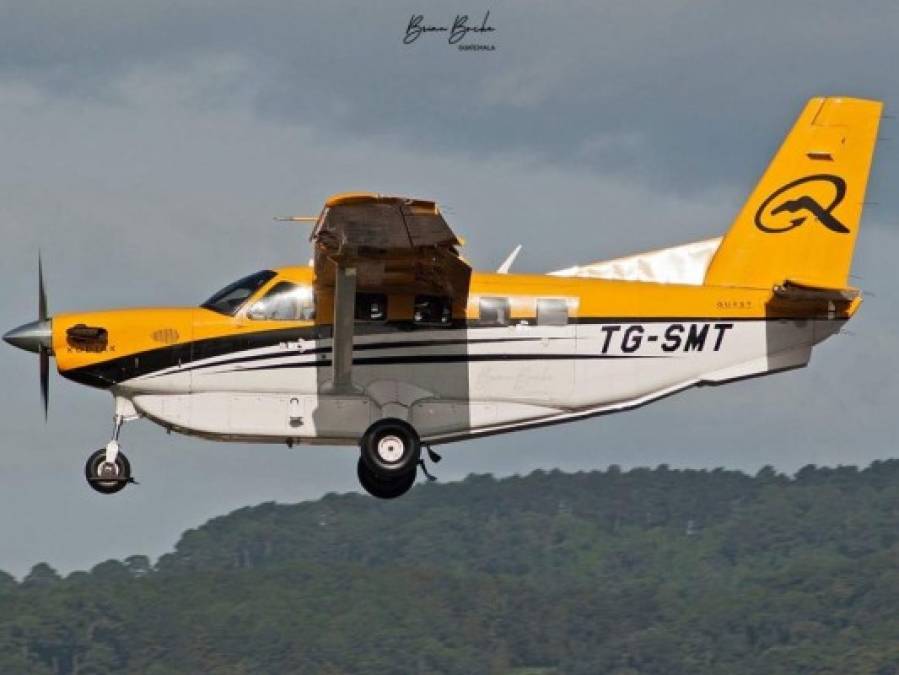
x: 133, y: 331
x: 598, y: 298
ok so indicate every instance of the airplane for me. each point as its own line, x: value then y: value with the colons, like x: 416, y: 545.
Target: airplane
x: 388, y: 341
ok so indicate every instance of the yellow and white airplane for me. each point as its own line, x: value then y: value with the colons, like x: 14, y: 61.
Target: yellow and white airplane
x: 390, y: 343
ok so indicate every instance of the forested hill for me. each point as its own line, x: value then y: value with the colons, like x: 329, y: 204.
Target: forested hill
x: 628, y: 573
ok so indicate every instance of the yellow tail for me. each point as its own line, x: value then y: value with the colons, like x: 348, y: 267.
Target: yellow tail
x: 801, y: 221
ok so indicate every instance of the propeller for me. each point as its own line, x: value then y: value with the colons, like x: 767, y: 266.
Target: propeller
x: 43, y: 350
x: 37, y: 336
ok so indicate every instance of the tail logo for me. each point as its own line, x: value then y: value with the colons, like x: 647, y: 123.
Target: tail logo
x: 787, y: 207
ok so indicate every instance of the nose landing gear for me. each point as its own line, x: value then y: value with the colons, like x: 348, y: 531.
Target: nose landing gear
x: 108, y: 470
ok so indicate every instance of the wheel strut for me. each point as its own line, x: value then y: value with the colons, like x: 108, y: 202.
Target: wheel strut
x: 112, y: 448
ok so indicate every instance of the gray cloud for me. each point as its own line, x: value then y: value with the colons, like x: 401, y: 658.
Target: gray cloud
x: 679, y: 92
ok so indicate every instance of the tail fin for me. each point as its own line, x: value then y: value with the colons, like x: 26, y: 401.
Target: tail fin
x: 801, y: 221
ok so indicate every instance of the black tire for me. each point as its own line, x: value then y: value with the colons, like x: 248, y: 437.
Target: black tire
x: 391, y: 448
x: 95, y: 465
x: 381, y: 488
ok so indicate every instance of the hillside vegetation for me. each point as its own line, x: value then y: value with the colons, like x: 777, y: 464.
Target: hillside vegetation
x: 642, y: 572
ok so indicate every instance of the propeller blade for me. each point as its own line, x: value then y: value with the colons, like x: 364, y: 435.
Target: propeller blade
x: 43, y: 352
x: 44, y: 356
x: 42, y: 295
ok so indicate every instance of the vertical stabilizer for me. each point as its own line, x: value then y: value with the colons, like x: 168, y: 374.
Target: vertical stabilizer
x: 801, y: 221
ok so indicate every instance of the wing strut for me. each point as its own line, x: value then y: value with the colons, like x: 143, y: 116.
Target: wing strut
x: 344, y: 316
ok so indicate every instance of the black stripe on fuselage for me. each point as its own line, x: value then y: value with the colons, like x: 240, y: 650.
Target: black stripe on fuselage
x: 450, y: 358
x: 399, y: 344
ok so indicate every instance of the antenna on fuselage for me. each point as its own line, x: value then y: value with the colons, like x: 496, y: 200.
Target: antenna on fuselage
x: 296, y: 219
x: 507, y: 263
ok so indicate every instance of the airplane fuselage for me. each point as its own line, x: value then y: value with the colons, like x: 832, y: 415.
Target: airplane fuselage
x: 529, y: 350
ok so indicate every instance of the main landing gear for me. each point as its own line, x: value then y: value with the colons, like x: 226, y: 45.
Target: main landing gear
x: 108, y: 470
x: 390, y: 455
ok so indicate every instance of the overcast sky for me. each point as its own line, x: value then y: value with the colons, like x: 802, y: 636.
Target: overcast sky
x: 146, y: 146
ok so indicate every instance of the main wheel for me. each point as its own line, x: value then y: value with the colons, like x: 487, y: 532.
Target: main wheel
x: 96, y: 469
x: 390, y: 448
x: 382, y: 488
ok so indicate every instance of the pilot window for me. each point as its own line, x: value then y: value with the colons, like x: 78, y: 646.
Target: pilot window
x: 433, y: 310
x: 494, y: 312
x: 231, y: 297
x: 371, y: 307
x: 552, y: 312
x: 285, y: 301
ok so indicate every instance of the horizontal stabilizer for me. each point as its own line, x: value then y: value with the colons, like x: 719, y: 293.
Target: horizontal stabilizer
x: 794, y: 290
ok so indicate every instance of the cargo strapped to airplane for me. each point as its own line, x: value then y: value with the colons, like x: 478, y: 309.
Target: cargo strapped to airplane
x: 366, y: 241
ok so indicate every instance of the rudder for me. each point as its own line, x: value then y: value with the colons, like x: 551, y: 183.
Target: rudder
x: 801, y: 221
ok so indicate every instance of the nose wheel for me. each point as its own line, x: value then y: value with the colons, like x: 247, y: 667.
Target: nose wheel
x: 108, y: 470
x: 107, y: 477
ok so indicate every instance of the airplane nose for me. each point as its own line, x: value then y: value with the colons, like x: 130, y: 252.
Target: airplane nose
x: 30, y: 336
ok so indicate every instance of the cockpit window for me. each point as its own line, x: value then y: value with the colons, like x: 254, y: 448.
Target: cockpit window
x: 231, y: 297
x: 285, y: 301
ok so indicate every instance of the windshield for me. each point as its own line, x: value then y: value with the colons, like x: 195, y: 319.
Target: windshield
x: 231, y: 297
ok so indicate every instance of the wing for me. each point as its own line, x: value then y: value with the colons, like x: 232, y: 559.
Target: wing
x: 371, y: 242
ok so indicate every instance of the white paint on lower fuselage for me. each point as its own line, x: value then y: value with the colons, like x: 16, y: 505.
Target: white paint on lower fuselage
x: 469, y: 382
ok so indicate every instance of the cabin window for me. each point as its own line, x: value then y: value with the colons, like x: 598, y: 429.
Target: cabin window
x: 494, y: 312
x: 371, y: 307
x: 285, y: 301
x: 433, y: 310
x: 552, y: 312
x: 233, y: 296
